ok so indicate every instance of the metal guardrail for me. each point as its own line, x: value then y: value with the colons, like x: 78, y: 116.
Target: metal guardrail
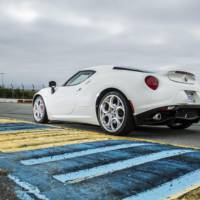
x: 5, y: 100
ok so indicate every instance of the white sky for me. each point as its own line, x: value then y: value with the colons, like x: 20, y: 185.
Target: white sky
x: 51, y: 39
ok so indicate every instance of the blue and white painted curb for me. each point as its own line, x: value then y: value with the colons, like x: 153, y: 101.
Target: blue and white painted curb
x: 20, y: 126
x: 115, y: 169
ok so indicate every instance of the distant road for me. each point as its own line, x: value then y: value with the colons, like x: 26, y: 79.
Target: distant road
x: 17, y: 111
x: 190, y: 137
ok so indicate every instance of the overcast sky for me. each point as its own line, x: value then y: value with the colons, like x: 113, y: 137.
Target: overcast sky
x: 42, y: 40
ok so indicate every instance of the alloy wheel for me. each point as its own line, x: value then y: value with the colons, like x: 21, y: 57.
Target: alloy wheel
x: 112, y: 113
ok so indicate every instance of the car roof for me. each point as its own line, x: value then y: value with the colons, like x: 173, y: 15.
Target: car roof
x: 102, y: 68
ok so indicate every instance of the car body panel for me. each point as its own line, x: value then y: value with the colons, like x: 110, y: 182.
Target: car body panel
x: 78, y: 103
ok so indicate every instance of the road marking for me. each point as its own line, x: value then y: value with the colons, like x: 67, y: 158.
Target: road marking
x: 85, y: 174
x: 23, y: 195
x: 21, y: 126
x: 28, y: 187
x: 79, y: 153
x: 167, y: 190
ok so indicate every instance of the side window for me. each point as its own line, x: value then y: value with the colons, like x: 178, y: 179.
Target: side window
x: 79, y: 77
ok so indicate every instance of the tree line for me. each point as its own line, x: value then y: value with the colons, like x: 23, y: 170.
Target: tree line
x: 16, y: 93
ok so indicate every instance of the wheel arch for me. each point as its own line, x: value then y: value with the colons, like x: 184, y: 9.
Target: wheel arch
x: 104, y: 92
x: 34, y: 97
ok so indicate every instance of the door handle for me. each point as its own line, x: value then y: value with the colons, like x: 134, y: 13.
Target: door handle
x: 79, y: 89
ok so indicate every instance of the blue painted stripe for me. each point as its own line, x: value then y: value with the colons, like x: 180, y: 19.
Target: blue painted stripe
x: 22, y: 195
x: 21, y: 126
x: 68, y: 148
x: 31, y: 189
x: 17, y: 124
x: 79, y: 153
x: 85, y: 174
x: 171, y: 188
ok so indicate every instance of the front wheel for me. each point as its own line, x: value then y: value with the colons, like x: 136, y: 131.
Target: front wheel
x: 39, y: 110
x: 114, y: 114
x: 179, y: 126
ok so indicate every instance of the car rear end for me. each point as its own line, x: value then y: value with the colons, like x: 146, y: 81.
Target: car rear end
x: 170, y: 97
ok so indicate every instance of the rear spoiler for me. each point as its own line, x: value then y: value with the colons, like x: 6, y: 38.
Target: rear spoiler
x: 131, y: 69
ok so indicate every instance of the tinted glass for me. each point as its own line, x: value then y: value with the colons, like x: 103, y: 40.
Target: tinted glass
x: 79, y: 77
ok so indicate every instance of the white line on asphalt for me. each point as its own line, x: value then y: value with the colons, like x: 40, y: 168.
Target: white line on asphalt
x: 31, y: 189
x: 23, y: 195
x: 64, y: 156
x: 177, y: 186
x: 82, y: 175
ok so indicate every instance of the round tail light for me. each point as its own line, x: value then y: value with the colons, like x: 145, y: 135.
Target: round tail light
x: 152, y: 82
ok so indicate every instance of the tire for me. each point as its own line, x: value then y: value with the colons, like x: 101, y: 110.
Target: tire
x: 114, y: 114
x: 39, y: 110
x: 179, y: 126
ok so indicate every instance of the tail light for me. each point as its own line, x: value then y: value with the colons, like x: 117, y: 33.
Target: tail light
x: 152, y: 82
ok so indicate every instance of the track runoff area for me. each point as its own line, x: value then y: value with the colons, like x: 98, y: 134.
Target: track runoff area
x: 48, y: 162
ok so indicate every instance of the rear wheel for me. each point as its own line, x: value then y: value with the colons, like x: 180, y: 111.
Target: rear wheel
x: 39, y: 110
x: 114, y: 114
x: 179, y: 125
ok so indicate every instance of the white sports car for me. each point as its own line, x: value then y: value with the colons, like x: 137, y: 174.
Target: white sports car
x: 120, y: 98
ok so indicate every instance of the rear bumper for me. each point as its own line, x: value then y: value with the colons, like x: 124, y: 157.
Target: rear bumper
x: 168, y: 114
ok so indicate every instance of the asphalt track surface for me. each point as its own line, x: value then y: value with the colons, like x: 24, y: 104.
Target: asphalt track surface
x: 189, y: 137
x: 76, y: 161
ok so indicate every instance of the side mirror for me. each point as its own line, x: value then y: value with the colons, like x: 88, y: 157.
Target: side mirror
x: 52, y: 85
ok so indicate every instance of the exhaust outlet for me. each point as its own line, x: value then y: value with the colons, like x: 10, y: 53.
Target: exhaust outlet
x: 157, y: 117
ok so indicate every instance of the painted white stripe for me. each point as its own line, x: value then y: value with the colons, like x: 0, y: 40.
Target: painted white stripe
x: 23, y: 195
x: 168, y: 190
x: 28, y: 187
x: 80, y: 153
x: 82, y: 175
